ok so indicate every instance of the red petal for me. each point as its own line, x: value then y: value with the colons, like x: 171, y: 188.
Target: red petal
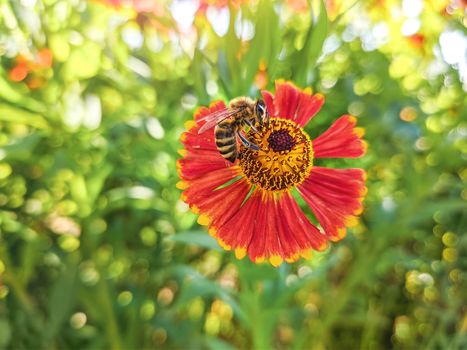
x: 308, y: 106
x: 237, y: 230
x: 296, y: 104
x: 269, y: 227
x: 200, y: 189
x: 269, y: 101
x: 335, y: 196
x: 200, y: 155
x: 341, y: 140
x: 296, y: 224
x: 205, y: 111
x: 216, y: 206
x: 286, y: 100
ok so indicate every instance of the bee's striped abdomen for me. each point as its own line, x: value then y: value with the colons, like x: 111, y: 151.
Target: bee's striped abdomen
x: 226, y: 140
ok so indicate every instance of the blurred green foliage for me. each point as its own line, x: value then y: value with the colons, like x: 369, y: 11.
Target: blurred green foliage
x: 98, y: 251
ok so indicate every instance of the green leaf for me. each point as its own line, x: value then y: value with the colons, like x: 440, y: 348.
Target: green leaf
x: 13, y: 95
x: 22, y: 149
x: 5, y: 333
x: 312, y: 48
x: 20, y: 116
x: 61, y: 301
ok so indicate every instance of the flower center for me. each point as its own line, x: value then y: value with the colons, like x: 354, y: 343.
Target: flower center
x: 285, y: 157
x: 281, y: 140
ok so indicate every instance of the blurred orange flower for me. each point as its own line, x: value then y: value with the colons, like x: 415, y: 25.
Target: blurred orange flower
x: 32, y: 69
x: 261, y: 78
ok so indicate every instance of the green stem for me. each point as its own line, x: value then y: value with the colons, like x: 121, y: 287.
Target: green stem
x: 105, y: 302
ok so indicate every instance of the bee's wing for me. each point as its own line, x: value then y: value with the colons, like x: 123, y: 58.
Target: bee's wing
x: 216, y: 117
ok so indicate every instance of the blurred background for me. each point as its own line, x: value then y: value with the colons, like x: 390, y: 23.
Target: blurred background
x: 98, y: 251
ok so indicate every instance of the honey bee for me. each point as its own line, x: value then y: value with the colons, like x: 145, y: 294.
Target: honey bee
x: 229, y: 124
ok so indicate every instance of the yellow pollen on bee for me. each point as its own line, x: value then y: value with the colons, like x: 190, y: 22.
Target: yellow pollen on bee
x: 285, y: 157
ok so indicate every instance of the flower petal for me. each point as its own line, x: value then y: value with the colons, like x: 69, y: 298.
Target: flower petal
x: 237, y: 231
x: 341, y: 140
x: 200, y: 155
x: 265, y: 241
x: 269, y: 101
x: 335, y: 197
x: 218, y: 206
x: 201, y: 189
x: 293, y: 103
x: 298, y: 234
x: 270, y: 228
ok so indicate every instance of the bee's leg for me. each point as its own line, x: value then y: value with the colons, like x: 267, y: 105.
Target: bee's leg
x: 250, y: 124
x: 247, y: 143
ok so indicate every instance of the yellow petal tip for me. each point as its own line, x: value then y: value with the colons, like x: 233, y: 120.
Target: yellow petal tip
x: 358, y: 211
x: 341, y: 232
x: 275, y: 260
x: 351, y: 221
x: 240, y: 253
x: 223, y: 244
x: 306, y: 254
x: 212, y: 231
x: 203, y: 220
x: 182, y: 185
x: 322, y: 247
x: 259, y: 259
x: 292, y: 258
x: 189, y: 124
x: 364, y: 145
x: 359, y: 132
x: 363, y: 191
x: 182, y: 152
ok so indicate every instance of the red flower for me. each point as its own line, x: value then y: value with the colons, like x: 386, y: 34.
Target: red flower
x: 249, y: 206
